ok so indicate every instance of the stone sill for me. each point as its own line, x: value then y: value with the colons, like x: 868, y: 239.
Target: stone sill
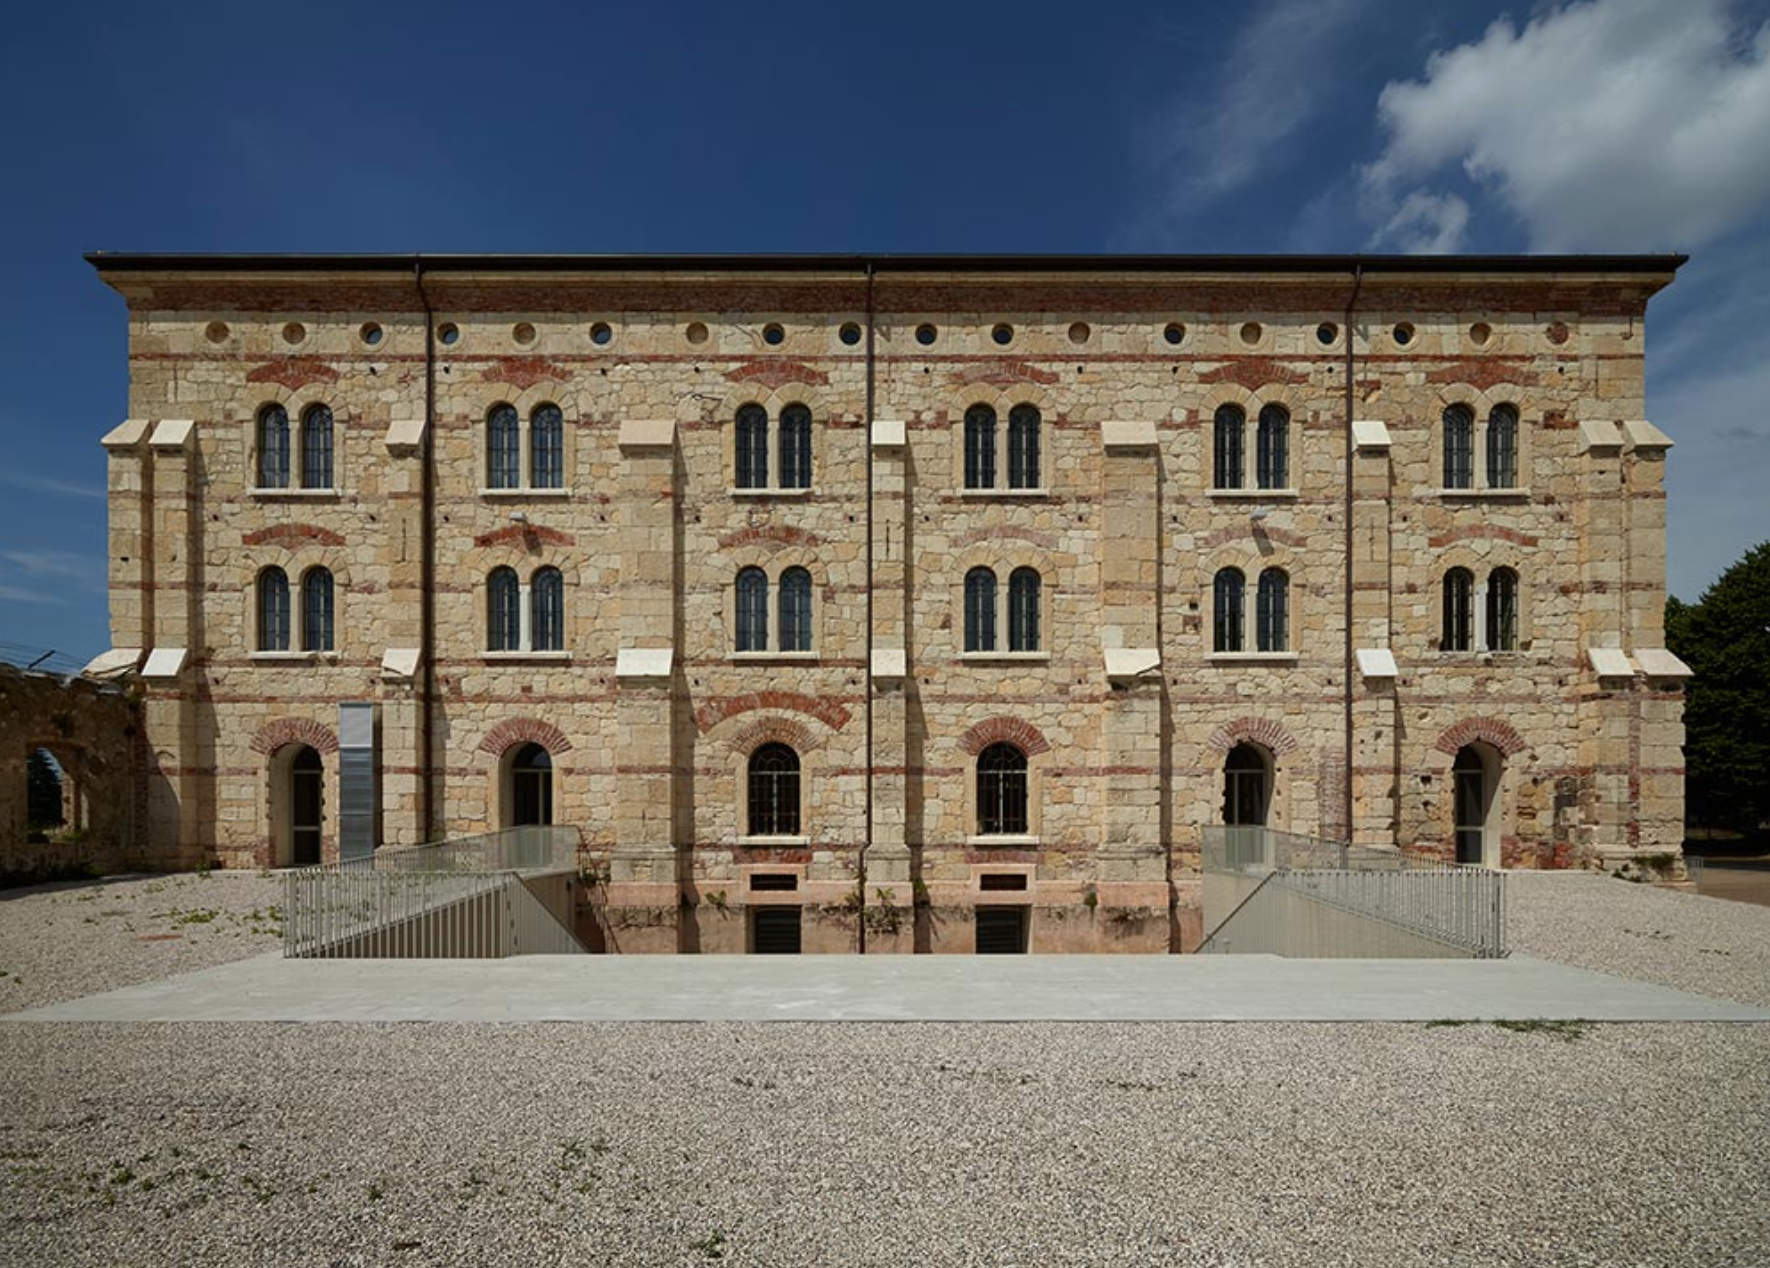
x: 811, y: 657
x: 296, y: 495
x: 1258, y: 658
x: 773, y: 843
x: 525, y: 493
x: 770, y: 493
x: 1011, y: 841
x: 984, y: 658
x: 999, y: 494
x: 1254, y: 495
x: 504, y: 658
x: 1476, y: 495
x: 295, y: 658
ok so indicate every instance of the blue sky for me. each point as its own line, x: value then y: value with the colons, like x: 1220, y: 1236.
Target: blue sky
x: 1338, y: 125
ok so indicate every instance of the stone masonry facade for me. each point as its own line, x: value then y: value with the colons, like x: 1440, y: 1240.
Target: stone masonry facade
x: 1114, y: 690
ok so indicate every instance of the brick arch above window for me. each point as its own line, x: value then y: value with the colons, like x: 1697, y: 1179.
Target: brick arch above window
x: 751, y: 736
x: 1262, y: 731
x: 1021, y: 734
x: 1486, y: 730
x: 774, y: 394
x: 513, y: 731
x: 721, y: 709
x: 279, y: 733
x: 1002, y: 397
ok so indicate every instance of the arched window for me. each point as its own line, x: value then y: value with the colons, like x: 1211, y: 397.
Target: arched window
x: 273, y: 447
x: 1272, y: 615
x: 531, y: 787
x: 1245, y: 787
x: 1001, y: 791
x: 795, y: 610
x: 503, y: 611
x: 774, y: 792
x: 1228, y: 433
x: 980, y: 447
x: 752, y: 447
x: 1023, y: 447
x: 1459, y: 447
x: 1502, y: 610
x: 316, y: 610
x: 1272, y: 462
x: 980, y: 610
x: 795, y: 447
x: 1502, y: 447
x: 503, y: 448
x: 1023, y: 610
x: 1228, y: 593
x: 547, y: 610
x: 752, y: 610
x: 273, y: 610
x: 307, y: 807
x: 316, y: 448
x: 547, y: 447
x: 1459, y: 606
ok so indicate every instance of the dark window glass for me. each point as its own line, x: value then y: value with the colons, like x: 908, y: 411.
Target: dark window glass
x: 795, y: 605
x: 273, y: 610
x: 752, y: 610
x: 503, y: 611
x: 503, y: 448
x: 316, y: 448
x: 1459, y: 448
x: 547, y: 447
x: 1472, y: 796
x: 1272, y: 616
x: 273, y: 447
x: 547, y: 601
x: 752, y: 447
x: 1001, y: 791
x: 1459, y: 626
x: 1228, y: 593
x: 980, y: 447
x: 1023, y: 447
x: 1502, y: 610
x: 1228, y: 431
x: 1502, y: 447
x: 980, y: 610
x: 1244, y: 787
x: 316, y: 611
x: 1023, y: 610
x: 531, y: 780
x: 774, y: 792
x: 1272, y: 462
x: 795, y: 447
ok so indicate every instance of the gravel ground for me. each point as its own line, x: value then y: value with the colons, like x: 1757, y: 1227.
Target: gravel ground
x: 78, y: 938
x: 1706, y: 945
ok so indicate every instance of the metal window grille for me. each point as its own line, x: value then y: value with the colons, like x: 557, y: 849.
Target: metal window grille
x: 1227, y: 430
x: 1023, y: 610
x: 1001, y: 930
x: 1001, y: 791
x: 1502, y: 447
x: 980, y: 447
x: 273, y: 610
x: 1459, y: 628
x: 776, y: 930
x: 795, y: 610
x: 774, y: 791
x: 547, y: 605
x: 752, y: 610
x: 503, y: 611
x: 1271, y: 610
x: 1272, y: 462
x: 316, y: 611
x: 980, y: 610
x: 503, y: 448
x: 1023, y: 447
x: 273, y: 448
x: 547, y: 447
x: 752, y: 447
x: 795, y: 447
x: 316, y: 448
x: 1459, y: 448
x: 1228, y: 594
x: 1502, y: 610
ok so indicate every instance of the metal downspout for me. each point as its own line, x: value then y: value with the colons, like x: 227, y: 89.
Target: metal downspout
x: 427, y: 571
x: 1351, y: 308
x: 866, y: 845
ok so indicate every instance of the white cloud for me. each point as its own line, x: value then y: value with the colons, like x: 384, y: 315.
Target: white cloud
x: 49, y: 484
x: 1428, y: 223
x: 1606, y: 125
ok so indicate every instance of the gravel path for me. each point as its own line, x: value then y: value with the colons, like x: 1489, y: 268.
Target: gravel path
x: 1706, y: 945
x: 77, y: 938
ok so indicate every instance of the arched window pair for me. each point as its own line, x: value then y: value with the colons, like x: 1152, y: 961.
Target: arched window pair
x: 1271, y: 441
x: 276, y: 620
x: 527, y: 618
x: 981, y: 599
x: 1271, y: 611
x: 313, y: 448
x: 773, y: 792
x: 794, y: 627
x: 791, y: 445
x: 1500, y: 470
x: 507, y: 439
x: 1498, y: 602
x: 984, y: 461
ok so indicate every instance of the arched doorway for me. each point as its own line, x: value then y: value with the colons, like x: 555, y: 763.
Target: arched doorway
x: 1475, y: 778
x: 307, y: 806
x: 531, y: 787
x: 46, y: 795
x: 1247, y: 786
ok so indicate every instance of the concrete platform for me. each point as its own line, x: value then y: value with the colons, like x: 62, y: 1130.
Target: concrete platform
x: 920, y: 988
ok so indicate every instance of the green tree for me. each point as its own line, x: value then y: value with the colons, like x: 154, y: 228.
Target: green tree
x: 42, y: 792
x: 1725, y: 639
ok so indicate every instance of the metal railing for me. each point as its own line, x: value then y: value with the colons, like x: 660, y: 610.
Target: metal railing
x: 473, y: 897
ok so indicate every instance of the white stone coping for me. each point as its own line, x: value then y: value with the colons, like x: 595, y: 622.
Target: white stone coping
x: 118, y: 660
x: 1370, y: 433
x: 173, y: 433
x: 401, y: 662
x: 890, y: 663
x: 1376, y: 662
x: 1599, y: 433
x: 525, y: 493
x: 1135, y: 434
x: 648, y: 433
x: 644, y: 662
x: 1253, y: 495
x: 1611, y: 662
x: 127, y: 434
x: 1004, y: 657
x: 1644, y: 435
x: 769, y: 491
x: 1658, y: 662
x: 1132, y: 662
x: 165, y: 662
x: 889, y: 433
x: 405, y: 433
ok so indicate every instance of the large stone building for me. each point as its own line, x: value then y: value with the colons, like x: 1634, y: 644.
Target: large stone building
x: 896, y: 603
